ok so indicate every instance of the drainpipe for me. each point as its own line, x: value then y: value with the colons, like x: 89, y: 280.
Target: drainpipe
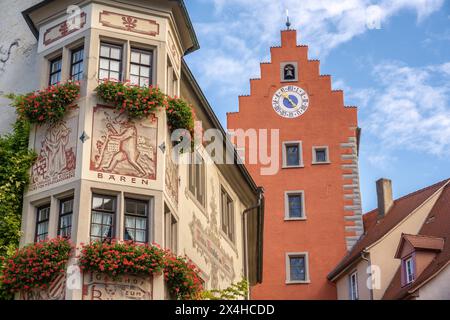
x: 368, y: 262
x: 259, y: 237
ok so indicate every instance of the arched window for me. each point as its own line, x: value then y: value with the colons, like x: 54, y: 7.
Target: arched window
x: 289, y: 72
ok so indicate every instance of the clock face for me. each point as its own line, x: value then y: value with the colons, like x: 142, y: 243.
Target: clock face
x: 290, y: 101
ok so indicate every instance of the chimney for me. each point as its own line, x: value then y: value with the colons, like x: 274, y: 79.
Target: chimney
x: 384, y: 196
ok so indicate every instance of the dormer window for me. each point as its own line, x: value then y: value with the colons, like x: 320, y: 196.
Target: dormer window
x: 408, y: 270
x: 55, y: 71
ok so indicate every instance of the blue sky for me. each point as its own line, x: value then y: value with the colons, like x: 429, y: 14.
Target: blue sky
x: 398, y: 75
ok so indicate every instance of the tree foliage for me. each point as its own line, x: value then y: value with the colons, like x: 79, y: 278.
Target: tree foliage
x: 234, y: 292
x: 15, y: 162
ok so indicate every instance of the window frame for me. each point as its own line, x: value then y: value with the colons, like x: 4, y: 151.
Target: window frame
x: 171, y: 231
x: 38, y: 209
x: 151, y: 52
x: 287, y: 144
x: 147, y: 218
x: 72, y: 64
x: 230, y: 232
x: 192, y: 179
x: 52, y: 73
x: 61, y: 215
x: 287, y: 216
x: 290, y: 255
x: 406, y: 260
x: 314, y: 155
x: 121, y: 60
x: 114, y: 212
x: 353, y: 295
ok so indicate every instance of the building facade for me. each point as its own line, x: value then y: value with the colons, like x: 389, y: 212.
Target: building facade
x: 100, y: 175
x: 404, y: 252
x: 309, y: 170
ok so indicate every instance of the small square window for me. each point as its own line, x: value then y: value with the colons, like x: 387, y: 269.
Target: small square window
x: 294, y: 205
x: 292, y: 154
x: 320, y: 155
x: 297, y: 268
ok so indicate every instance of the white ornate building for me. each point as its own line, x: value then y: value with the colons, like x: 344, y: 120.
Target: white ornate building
x: 99, y: 175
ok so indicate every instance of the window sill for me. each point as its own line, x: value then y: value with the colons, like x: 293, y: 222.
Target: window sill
x: 324, y: 162
x: 295, y: 219
x: 292, y: 167
x: 298, y: 282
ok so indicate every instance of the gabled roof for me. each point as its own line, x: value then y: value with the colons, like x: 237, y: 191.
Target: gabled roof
x: 437, y: 225
x: 420, y: 242
x: 400, y: 209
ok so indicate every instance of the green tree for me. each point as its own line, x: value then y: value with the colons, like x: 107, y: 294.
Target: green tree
x: 15, y: 162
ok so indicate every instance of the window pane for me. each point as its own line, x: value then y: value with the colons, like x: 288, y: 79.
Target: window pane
x: 297, y: 268
x: 115, y: 53
x: 103, y: 74
x: 104, y: 63
x: 140, y: 236
x: 295, y: 206
x: 97, y: 203
x: 130, y: 222
x: 114, y: 66
x: 108, y: 204
x: 292, y: 155
x: 114, y: 76
x: 42, y: 228
x: 145, y: 59
x: 107, y: 219
x: 67, y: 206
x: 134, y: 69
x: 104, y: 51
x: 66, y: 221
x: 141, y: 208
x: 96, y: 217
x: 143, y: 82
x: 130, y: 206
x: 106, y: 231
x: 141, y: 223
x: 95, y: 230
x: 145, y: 71
x: 135, y: 57
x: 321, y: 155
x: 134, y: 80
x: 129, y: 234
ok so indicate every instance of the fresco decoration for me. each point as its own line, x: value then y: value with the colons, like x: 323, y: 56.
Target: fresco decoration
x: 98, y: 286
x: 56, y: 291
x: 55, y: 145
x: 122, y: 146
x: 207, y: 244
x: 171, y: 176
x: 129, y: 23
x: 64, y: 28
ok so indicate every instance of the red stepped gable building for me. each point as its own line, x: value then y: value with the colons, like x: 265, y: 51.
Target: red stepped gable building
x: 313, y: 206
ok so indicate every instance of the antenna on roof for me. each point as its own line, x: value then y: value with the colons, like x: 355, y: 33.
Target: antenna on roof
x: 288, y: 23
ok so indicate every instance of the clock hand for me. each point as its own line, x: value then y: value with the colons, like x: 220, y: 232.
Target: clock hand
x: 286, y: 96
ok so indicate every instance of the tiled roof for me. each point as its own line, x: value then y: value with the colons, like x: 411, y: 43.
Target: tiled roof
x: 400, y: 209
x: 421, y: 242
x: 437, y: 225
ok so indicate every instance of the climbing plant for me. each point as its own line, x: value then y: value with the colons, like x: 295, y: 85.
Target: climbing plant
x: 235, y: 291
x: 15, y: 161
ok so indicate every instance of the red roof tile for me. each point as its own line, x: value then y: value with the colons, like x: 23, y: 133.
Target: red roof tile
x: 401, y: 208
x: 437, y: 225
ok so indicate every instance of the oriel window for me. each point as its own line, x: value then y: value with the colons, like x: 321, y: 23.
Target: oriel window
x: 110, y: 62
x: 136, y: 219
x: 103, y: 217
x: 141, y: 67
x: 77, y: 64
x: 42, y: 219
x: 55, y: 71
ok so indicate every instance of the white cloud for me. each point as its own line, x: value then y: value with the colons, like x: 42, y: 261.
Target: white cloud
x: 243, y: 30
x: 410, y: 110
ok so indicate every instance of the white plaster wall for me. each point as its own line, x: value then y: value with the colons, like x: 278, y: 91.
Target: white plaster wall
x: 15, y: 67
x: 438, y: 288
x: 342, y: 285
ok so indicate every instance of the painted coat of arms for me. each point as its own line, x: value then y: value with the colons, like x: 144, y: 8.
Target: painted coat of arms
x: 55, y: 145
x: 122, y: 146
